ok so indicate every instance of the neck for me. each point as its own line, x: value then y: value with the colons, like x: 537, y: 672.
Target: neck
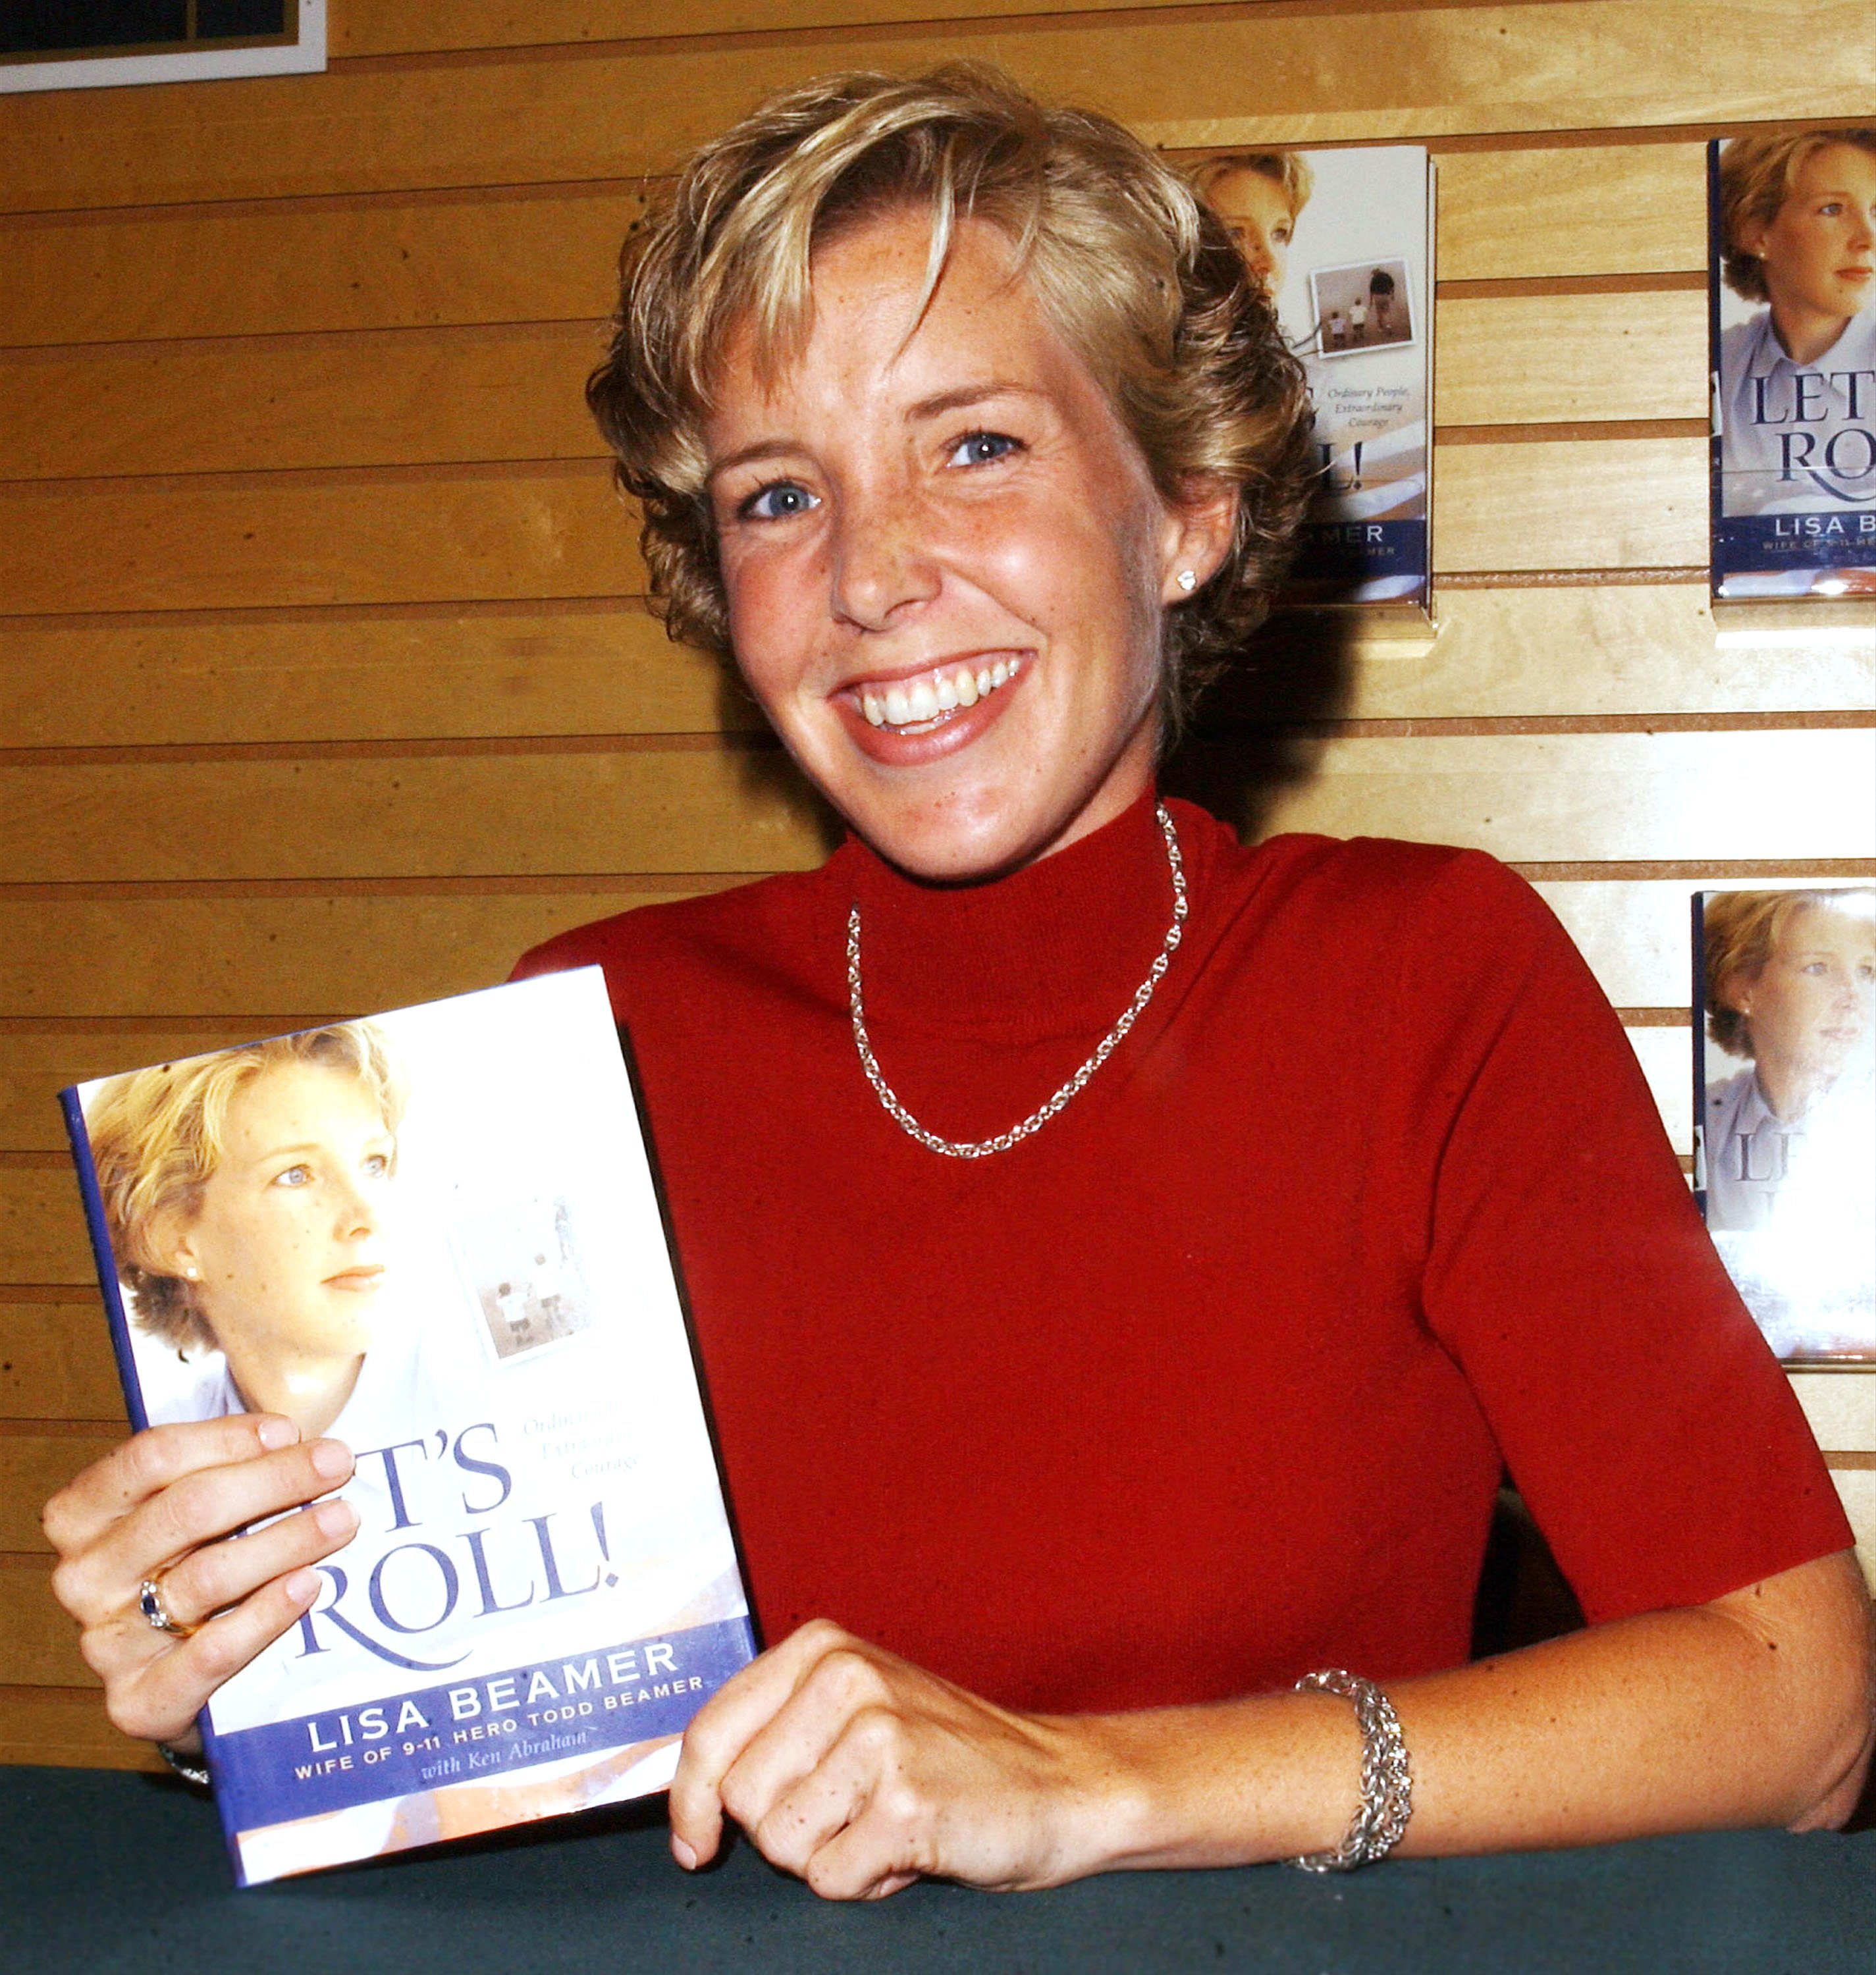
x: 1790, y: 1088
x: 1804, y: 334
x: 311, y: 1392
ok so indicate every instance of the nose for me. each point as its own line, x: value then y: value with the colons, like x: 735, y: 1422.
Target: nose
x: 356, y: 1215
x: 1258, y: 258
x: 884, y: 560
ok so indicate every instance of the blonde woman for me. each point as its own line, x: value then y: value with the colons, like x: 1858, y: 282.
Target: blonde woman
x: 1122, y: 1262
x: 1260, y: 196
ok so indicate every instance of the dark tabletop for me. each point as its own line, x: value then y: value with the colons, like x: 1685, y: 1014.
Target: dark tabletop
x: 106, y: 1872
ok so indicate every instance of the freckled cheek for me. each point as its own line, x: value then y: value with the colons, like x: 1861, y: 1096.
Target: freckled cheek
x: 772, y: 605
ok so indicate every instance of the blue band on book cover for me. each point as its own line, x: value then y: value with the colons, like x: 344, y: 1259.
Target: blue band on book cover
x: 432, y: 1235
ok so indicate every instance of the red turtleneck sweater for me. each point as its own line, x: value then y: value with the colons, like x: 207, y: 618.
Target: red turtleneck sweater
x: 1209, y: 1383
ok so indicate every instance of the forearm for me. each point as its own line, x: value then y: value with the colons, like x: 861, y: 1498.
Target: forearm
x: 1722, y: 1715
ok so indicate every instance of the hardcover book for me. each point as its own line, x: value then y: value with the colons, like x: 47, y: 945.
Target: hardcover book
x: 1341, y: 242
x: 1784, y: 1111
x: 1791, y: 323
x: 434, y: 1236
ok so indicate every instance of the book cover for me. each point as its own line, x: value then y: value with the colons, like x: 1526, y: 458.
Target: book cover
x: 1341, y: 242
x: 1784, y: 1110
x: 435, y: 1236
x: 1792, y: 324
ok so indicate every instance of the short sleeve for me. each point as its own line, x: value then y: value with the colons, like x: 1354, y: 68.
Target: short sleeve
x: 1567, y: 1271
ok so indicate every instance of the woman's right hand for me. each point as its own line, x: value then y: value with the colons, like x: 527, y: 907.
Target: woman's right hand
x: 162, y: 1506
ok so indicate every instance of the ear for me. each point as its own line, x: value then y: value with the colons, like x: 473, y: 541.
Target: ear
x: 1735, y: 992
x: 171, y: 1248
x: 1196, y: 536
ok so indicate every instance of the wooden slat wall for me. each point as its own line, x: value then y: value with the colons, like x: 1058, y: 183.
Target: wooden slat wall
x: 327, y: 688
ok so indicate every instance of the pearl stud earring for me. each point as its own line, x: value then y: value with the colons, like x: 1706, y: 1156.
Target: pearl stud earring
x: 1188, y: 580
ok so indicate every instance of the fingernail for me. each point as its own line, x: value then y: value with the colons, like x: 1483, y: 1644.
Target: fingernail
x: 302, y: 1587
x: 335, y: 1518
x: 276, y: 1432
x: 682, y: 1853
x: 332, y: 1458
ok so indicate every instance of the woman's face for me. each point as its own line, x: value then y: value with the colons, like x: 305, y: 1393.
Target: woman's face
x: 1820, y: 251
x: 1811, y: 1006
x: 945, y: 559
x: 1256, y: 212
x: 287, y: 1244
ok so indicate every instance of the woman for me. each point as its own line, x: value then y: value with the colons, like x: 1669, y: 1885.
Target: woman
x: 1100, y: 1417
x: 1789, y: 1143
x: 1260, y: 196
x: 244, y: 1193
x: 1797, y: 219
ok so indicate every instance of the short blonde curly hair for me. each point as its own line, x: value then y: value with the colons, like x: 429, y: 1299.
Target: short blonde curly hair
x: 158, y: 1135
x: 1139, y: 279
x: 1757, y: 175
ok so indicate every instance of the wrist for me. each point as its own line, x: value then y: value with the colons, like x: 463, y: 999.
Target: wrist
x: 1238, y: 1782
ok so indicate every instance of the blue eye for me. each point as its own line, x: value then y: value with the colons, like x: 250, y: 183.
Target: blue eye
x: 777, y: 501
x: 979, y: 449
x: 294, y: 1176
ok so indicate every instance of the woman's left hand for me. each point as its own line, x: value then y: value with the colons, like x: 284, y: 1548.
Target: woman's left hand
x: 854, y: 1770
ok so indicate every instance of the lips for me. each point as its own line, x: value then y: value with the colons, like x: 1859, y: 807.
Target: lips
x: 356, y: 1280
x: 918, y: 715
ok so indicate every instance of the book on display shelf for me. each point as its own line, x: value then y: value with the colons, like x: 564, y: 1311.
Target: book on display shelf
x: 1784, y: 1111
x: 1792, y: 329
x: 433, y: 1235
x: 1341, y: 242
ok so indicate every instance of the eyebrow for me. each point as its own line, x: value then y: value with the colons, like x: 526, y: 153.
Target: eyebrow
x: 925, y: 410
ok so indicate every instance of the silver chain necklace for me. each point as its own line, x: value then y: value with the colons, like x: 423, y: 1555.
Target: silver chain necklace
x: 956, y: 1149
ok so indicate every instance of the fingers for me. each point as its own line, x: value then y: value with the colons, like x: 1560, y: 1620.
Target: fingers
x: 723, y: 1728
x: 847, y: 1824
x: 97, y: 1582
x: 159, y: 1702
x: 242, y: 1593
x: 221, y: 1574
x: 149, y: 1462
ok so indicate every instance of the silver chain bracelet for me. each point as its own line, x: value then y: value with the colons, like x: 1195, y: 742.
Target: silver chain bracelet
x: 1386, y: 1783
x: 191, y: 1769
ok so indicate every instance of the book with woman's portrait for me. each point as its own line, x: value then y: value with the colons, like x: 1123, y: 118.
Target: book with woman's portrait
x: 1340, y: 242
x: 1791, y: 320
x: 432, y: 1235
x: 1784, y: 1110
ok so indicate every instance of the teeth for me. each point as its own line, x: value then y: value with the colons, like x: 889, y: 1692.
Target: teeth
x: 907, y: 705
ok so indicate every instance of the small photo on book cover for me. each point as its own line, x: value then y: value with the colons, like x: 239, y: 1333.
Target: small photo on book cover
x: 1784, y: 1110
x: 1792, y: 318
x: 433, y: 1235
x: 1341, y: 243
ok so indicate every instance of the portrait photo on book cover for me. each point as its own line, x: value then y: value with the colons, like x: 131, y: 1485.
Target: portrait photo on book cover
x: 1339, y: 241
x: 1785, y: 1110
x: 1792, y: 289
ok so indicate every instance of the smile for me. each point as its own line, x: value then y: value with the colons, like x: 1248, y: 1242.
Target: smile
x: 923, y: 701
